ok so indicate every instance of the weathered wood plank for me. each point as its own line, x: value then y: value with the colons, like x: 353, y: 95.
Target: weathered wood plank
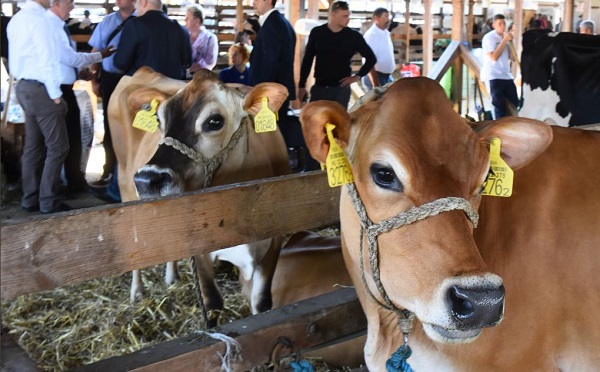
x: 307, y: 323
x: 69, y: 248
x: 469, y: 60
x: 445, y: 61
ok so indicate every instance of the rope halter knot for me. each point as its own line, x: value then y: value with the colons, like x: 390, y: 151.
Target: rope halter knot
x: 210, y: 165
x: 373, y: 230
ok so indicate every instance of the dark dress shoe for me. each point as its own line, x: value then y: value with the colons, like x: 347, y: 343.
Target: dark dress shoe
x: 32, y: 208
x: 75, y: 187
x: 102, y: 194
x: 62, y: 207
x: 104, y: 180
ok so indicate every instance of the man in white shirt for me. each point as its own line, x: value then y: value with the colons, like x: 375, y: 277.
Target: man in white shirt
x: 378, y: 38
x: 496, y: 68
x: 70, y: 60
x: 34, y: 62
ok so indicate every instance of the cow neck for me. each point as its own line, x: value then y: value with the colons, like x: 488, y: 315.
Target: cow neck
x: 373, y: 230
x: 210, y: 164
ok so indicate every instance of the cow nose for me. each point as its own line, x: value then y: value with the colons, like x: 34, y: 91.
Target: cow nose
x: 476, y: 307
x: 150, y: 182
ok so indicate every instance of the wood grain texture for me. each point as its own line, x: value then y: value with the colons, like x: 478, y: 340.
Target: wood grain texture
x: 307, y: 323
x: 68, y: 248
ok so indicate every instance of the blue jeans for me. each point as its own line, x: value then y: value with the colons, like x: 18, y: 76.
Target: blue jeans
x: 502, y: 91
x: 383, y: 80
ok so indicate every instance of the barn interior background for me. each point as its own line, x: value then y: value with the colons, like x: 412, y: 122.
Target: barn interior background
x: 62, y: 328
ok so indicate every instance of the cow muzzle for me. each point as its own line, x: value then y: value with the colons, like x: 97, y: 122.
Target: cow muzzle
x: 465, y: 306
x: 152, y: 181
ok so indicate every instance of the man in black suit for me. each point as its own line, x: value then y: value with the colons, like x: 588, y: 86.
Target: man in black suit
x: 152, y: 39
x: 272, y: 58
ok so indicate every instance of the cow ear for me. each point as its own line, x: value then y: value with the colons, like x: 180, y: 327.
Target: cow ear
x: 522, y: 139
x: 142, y: 96
x: 276, y: 94
x: 314, y: 116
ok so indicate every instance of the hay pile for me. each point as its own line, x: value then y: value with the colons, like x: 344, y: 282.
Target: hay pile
x: 72, y: 326
x: 69, y: 327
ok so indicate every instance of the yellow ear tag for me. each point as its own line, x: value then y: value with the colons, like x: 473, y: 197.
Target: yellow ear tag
x: 265, y: 120
x: 338, y: 167
x: 500, y: 179
x: 146, y: 119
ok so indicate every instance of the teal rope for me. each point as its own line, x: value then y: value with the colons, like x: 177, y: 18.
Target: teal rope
x: 397, y: 362
x: 302, y: 365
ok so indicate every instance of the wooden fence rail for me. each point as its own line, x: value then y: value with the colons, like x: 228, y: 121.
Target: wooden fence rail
x: 43, y: 253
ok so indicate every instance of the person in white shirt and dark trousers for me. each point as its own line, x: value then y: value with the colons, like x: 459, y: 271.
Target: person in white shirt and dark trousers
x: 70, y: 60
x: 379, y: 40
x: 496, y: 67
x: 34, y: 62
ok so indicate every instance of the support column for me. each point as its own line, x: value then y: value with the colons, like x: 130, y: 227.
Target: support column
x: 407, y: 29
x: 293, y: 8
x: 313, y: 9
x: 470, y: 21
x: 587, y: 12
x: 567, y: 23
x: 239, y: 15
x: 457, y: 35
x: 517, y: 27
x: 427, y: 38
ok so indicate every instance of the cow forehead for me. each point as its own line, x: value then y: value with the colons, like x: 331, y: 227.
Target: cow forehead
x: 414, y: 129
x: 206, y: 97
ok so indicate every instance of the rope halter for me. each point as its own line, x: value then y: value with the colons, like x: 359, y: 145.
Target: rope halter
x: 210, y: 165
x: 373, y: 230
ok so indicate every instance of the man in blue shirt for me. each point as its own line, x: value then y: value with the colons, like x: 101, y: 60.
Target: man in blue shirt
x: 108, y: 32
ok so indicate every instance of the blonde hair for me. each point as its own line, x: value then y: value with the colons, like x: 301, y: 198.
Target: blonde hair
x: 241, y: 48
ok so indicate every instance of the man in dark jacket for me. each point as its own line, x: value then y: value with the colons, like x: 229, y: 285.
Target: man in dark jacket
x: 152, y: 39
x: 272, y: 58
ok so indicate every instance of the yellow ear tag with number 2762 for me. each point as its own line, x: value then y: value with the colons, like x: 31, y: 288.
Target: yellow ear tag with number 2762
x: 500, y: 178
x: 146, y: 119
x: 339, y: 171
x: 265, y: 120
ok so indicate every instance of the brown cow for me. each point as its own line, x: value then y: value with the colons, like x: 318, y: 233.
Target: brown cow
x: 310, y: 265
x: 409, y: 148
x: 211, y: 122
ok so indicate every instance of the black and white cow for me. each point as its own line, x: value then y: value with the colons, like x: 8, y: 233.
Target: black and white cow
x: 561, y: 78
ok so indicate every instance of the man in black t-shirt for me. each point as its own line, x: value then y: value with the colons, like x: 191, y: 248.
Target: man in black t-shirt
x: 333, y: 44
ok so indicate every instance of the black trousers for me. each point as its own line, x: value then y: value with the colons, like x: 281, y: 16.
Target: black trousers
x: 325, y: 93
x: 108, y: 83
x: 73, y: 173
x: 501, y: 92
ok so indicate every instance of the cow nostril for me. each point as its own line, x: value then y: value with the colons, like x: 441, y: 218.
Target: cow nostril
x: 150, y: 182
x: 461, y: 306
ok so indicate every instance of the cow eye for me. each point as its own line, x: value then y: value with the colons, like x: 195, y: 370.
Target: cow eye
x: 386, y: 178
x: 214, y: 122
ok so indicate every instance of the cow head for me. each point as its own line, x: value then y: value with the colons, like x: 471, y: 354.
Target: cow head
x: 204, y: 125
x: 407, y: 148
